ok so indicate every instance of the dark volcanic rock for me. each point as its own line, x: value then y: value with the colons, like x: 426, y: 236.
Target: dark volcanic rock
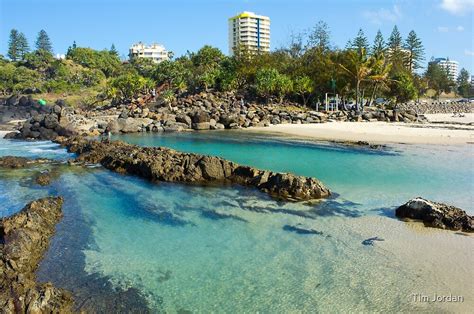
x: 164, y: 164
x: 24, y: 238
x: 436, y: 215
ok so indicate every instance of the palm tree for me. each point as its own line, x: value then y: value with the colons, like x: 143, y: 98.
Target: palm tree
x: 358, y: 68
x: 379, y: 76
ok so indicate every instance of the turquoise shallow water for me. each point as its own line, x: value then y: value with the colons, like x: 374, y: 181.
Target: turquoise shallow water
x: 226, y: 249
x: 372, y: 179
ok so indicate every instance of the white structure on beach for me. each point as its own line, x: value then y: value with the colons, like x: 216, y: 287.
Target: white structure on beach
x: 249, y: 31
x: 155, y: 52
x: 451, y: 66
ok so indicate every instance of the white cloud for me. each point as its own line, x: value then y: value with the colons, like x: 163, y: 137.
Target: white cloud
x: 444, y: 29
x: 468, y: 52
x: 457, y: 6
x: 384, y: 15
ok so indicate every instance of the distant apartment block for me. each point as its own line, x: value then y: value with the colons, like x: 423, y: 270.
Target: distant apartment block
x: 472, y: 81
x: 155, y: 52
x: 451, y: 66
x: 249, y: 31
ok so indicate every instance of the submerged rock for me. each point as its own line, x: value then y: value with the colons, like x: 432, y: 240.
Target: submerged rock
x: 437, y: 215
x: 164, y: 164
x: 44, y: 178
x: 24, y: 238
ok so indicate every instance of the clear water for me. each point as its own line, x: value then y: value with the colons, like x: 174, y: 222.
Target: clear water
x: 225, y: 249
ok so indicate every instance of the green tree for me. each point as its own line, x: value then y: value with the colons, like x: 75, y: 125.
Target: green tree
x: 206, y: 67
x: 101, y: 60
x: 303, y: 86
x: 394, y: 49
x: 379, y: 76
x: 283, y: 86
x: 17, y: 45
x: 114, y: 51
x: 38, y: 60
x: 128, y: 85
x: 463, y: 83
x: 227, y: 80
x: 438, y: 79
x: 266, y: 82
x: 360, y: 41
x: 403, y: 88
x: 144, y: 66
x: 13, y: 52
x: 357, y: 67
x: 43, y: 42
x: 22, y: 46
x: 415, y: 52
x: 175, y: 74
x: 378, y: 48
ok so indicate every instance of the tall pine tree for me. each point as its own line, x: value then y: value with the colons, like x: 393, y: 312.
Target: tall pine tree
x: 13, y: 53
x: 17, y: 46
x: 43, y: 42
x: 378, y: 48
x: 113, y: 50
x: 394, y: 48
x: 360, y: 41
x: 415, y: 51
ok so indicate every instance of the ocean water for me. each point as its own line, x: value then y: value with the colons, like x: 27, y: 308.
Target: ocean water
x: 208, y: 249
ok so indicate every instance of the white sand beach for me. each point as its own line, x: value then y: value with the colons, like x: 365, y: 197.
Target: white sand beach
x: 378, y: 132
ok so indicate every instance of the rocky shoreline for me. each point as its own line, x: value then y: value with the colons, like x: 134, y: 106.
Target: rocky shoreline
x: 203, y: 111
x: 24, y: 238
x: 168, y: 165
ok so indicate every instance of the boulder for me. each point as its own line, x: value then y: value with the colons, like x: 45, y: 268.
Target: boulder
x: 201, y: 126
x: 183, y: 118
x: 201, y: 117
x: 437, y: 215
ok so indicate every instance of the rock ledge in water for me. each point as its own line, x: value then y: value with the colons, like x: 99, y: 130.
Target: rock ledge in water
x: 164, y: 164
x: 24, y: 238
x: 437, y: 215
x: 14, y: 162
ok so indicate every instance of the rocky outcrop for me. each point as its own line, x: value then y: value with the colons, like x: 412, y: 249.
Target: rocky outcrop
x: 436, y: 215
x: 24, y: 238
x: 44, y: 126
x: 164, y: 164
x: 203, y: 111
x: 14, y: 162
x: 20, y: 108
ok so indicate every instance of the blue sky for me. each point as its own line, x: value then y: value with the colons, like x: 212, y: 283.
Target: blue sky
x: 445, y: 26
